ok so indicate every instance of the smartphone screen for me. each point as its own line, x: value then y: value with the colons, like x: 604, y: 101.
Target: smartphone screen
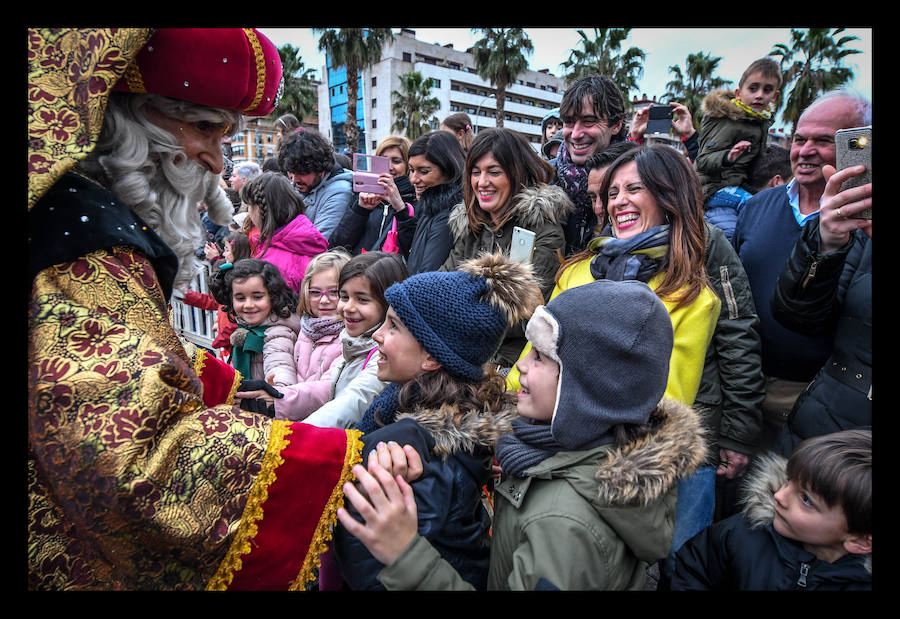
x: 660, y: 119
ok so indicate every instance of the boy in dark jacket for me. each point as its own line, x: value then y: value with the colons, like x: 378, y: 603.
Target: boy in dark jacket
x: 806, y: 525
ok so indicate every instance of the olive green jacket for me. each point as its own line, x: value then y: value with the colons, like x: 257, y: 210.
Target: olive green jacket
x: 580, y: 520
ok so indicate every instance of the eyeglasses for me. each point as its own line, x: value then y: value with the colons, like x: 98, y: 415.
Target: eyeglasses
x: 316, y: 295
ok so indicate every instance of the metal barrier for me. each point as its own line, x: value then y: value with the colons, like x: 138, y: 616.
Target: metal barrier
x: 196, y: 325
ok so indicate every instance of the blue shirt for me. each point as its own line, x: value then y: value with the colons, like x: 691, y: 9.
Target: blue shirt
x: 793, y: 192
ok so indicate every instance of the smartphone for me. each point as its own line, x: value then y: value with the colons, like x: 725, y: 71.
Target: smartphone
x: 366, y: 170
x: 522, y: 247
x: 660, y: 120
x: 853, y: 147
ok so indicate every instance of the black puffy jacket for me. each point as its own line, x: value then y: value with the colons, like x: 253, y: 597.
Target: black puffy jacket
x: 457, y: 459
x: 745, y: 553
x: 829, y: 295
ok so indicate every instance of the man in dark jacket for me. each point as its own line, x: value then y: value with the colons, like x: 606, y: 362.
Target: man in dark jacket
x: 766, y: 232
x: 826, y: 289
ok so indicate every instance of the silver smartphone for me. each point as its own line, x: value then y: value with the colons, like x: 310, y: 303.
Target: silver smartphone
x: 853, y: 147
x: 522, y: 247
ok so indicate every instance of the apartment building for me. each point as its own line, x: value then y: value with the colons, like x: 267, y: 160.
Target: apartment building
x: 455, y: 83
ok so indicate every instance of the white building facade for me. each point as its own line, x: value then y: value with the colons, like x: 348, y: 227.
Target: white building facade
x: 455, y: 83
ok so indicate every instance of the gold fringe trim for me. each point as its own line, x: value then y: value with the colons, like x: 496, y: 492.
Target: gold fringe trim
x: 253, y: 512
x: 322, y: 534
x: 134, y: 79
x: 234, y: 388
x: 260, y: 68
x: 199, y: 361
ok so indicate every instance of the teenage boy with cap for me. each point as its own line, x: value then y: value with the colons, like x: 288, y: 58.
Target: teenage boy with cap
x: 141, y: 474
x: 590, y: 466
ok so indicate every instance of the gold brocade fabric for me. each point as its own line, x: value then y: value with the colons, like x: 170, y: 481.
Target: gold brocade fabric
x: 132, y: 483
x: 70, y: 74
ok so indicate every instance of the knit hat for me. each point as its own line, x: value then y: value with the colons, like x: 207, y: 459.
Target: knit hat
x: 229, y: 68
x: 460, y: 317
x: 624, y: 324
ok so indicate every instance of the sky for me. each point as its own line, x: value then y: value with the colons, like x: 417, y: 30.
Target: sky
x: 664, y: 47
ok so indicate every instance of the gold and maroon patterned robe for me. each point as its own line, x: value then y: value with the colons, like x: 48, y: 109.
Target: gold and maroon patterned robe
x: 141, y: 473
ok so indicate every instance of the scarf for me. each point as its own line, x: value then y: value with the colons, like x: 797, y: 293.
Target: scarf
x: 639, y: 257
x: 386, y: 405
x: 573, y: 179
x: 529, y: 443
x: 253, y: 344
x: 317, y: 328
x: 764, y: 114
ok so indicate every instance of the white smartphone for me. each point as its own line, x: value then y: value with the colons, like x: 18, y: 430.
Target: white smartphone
x: 522, y: 247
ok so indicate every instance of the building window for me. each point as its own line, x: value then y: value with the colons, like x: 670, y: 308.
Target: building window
x: 374, y: 145
x: 374, y: 102
x: 407, y: 57
x: 374, y: 123
x: 374, y: 81
x: 435, y: 83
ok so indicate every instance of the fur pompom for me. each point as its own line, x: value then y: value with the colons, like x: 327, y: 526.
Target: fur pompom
x: 512, y: 286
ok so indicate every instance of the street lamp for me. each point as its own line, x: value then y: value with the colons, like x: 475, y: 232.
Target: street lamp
x: 493, y: 94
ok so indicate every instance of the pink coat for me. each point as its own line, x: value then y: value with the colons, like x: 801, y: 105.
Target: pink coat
x: 291, y: 248
x: 313, y: 388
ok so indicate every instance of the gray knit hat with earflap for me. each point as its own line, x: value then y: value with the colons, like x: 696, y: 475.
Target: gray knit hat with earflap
x: 613, y: 341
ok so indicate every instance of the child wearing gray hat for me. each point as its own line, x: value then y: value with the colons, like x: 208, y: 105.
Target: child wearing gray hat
x: 590, y: 466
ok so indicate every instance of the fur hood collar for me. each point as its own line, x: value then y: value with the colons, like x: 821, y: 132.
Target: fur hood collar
x: 717, y: 104
x: 535, y: 206
x: 643, y: 471
x: 473, y: 431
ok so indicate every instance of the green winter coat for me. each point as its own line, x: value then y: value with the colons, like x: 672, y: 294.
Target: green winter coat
x: 585, y: 520
x: 732, y: 387
x: 540, y: 209
x: 724, y: 124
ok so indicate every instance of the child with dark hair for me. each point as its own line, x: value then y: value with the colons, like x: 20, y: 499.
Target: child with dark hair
x: 235, y: 247
x: 287, y: 238
x: 771, y: 167
x: 253, y: 293
x: 806, y: 524
x: 733, y: 132
x: 362, y: 306
x: 444, y: 398
x: 590, y: 464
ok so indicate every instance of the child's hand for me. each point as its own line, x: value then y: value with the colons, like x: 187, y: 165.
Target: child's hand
x: 403, y: 461
x: 737, y: 150
x: 390, y: 516
x: 211, y: 250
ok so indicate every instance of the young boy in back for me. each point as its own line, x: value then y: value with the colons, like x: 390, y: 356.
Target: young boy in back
x: 734, y: 130
x: 806, y: 525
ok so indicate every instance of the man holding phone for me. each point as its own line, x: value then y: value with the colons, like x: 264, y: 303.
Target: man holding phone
x: 767, y: 230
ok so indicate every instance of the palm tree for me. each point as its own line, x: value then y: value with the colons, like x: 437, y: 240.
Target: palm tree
x: 602, y: 55
x: 691, y: 86
x: 413, y: 106
x: 500, y: 58
x: 355, y: 49
x: 817, y: 70
x: 299, y: 96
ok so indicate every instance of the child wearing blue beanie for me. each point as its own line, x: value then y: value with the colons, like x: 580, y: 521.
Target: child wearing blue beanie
x: 440, y: 332
x: 590, y: 465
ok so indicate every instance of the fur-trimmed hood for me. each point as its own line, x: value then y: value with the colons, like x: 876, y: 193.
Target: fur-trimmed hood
x: 717, y: 104
x: 534, y: 207
x: 467, y: 433
x: 642, y: 471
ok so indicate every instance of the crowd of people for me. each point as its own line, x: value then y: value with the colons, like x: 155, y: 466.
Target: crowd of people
x: 600, y: 365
